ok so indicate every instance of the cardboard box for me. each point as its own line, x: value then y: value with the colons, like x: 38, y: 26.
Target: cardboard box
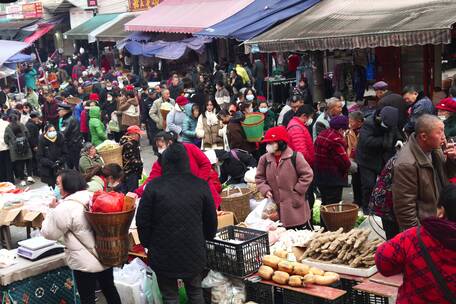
x: 225, y: 218
x: 26, y: 218
x: 7, y: 216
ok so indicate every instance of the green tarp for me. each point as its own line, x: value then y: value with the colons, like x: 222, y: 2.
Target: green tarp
x: 83, y: 30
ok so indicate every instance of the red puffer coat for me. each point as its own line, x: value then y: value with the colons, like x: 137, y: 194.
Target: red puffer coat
x: 300, y: 140
x: 402, y: 254
x: 200, y: 167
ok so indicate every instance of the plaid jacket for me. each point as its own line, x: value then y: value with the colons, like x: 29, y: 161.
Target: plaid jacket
x: 403, y: 255
x: 331, y: 159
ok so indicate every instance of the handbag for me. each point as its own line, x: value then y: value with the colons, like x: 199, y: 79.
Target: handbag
x: 130, y: 117
x: 436, y: 274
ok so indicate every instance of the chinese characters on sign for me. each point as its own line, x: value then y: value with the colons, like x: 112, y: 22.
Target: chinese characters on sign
x: 141, y: 5
x: 92, y: 3
x: 25, y: 11
x: 32, y: 10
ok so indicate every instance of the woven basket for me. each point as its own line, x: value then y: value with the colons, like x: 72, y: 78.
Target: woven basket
x: 336, y: 216
x: 239, y: 205
x: 113, y: 156
x: 111, y: 235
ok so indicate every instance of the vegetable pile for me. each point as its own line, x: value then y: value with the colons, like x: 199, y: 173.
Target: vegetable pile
x: 351, y: 248
x: 294, y: 274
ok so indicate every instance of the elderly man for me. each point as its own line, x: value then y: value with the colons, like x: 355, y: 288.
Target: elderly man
x: 421, y: 171
x: 389, y: 98
x: 322, y: 123
x: 419, y: 105
x: 155, y: 113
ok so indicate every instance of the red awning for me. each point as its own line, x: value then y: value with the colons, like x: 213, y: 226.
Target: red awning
x: 43, y: 28
x: 185, y: 16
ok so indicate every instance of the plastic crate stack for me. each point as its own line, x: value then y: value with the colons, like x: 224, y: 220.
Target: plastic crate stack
x: 237, y: 252
x: 354, y: 296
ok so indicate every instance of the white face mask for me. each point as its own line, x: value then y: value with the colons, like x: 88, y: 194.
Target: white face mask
x: 442, y: 117
x: 250, y: 97
x: 52, y: 134
x: 109, y: 98
x: 309, y: 121
x: 383, y: 125
x: 263, y: 110
x: 271, y: 148
x: 161, y: 150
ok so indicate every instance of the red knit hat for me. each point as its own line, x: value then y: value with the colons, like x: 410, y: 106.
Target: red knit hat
x: 276, y: 134
x: 447, y: 104
x: 181, y: 100
x: 129, y: 88
x: 94, y: 96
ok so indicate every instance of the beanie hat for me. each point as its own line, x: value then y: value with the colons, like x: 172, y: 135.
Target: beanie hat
x: 94, y: 96
x: 181, y: 100
x: 389, y: 116
x: 339, y: 122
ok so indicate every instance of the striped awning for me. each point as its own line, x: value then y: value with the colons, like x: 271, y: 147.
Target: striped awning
x: 351, y: 24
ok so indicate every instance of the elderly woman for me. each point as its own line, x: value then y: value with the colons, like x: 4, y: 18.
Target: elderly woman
x: 89, y: 158
x: 446, y: 111
x: 67, y: 220
x: 284, y: 176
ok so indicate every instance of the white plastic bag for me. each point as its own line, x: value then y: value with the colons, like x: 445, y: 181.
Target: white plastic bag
x: 249, y: 176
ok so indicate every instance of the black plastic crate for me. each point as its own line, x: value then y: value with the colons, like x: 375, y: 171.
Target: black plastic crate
x: 294, y: 297
x: 241, y: 259
x: 354, y: 296
x: 259, y: 293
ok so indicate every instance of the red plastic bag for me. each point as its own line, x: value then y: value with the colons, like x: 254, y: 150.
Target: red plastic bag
x: 107, y: 202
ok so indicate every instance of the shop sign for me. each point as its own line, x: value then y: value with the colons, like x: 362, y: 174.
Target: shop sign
x: 92, y: 3
x: 32, y: 10
x: 141, y: 5
x: 14, y: 11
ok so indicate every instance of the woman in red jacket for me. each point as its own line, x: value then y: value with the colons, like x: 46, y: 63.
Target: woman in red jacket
x: 300, y: 139
x: 404, y: 254
x: 199, y: 163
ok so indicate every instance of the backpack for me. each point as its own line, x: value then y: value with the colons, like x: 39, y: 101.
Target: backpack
x: 381, y: 200
x: 21, y: 145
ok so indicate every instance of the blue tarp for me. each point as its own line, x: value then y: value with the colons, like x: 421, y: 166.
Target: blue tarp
x: 19, y: 58
x: 171, y: 50
x: 256, y: 18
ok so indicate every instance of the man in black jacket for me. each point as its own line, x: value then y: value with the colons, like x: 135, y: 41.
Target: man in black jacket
x: 389, y: 98
x: 176, y: 215
x: 147, y: 123
x: 33, y: 126
x: 69, y: 127
x: 377, y: 141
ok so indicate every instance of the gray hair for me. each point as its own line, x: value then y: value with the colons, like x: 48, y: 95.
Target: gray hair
x: 357, y: 115
x: 332, y: 102
x: 426, y: 123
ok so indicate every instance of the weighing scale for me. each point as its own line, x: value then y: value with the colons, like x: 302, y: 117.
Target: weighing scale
x: 38, y: 248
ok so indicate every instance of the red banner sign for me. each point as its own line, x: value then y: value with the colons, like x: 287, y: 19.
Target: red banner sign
x: 32, y: 10
x: 141, y: 5
x: 92, y: 3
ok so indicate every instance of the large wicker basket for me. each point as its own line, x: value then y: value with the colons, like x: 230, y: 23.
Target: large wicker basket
x: 336, y: 216
x: 237, y: 200
x: 113, y: 156
x: 111, y: 235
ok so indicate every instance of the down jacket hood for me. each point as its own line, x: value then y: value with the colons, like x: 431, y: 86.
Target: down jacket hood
x: 94, y: 112
x: 188, y: 110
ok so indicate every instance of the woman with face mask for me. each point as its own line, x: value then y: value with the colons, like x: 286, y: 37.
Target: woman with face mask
x: 447, y: 113
x: 269, y: 116
x: 51, y: 155
x: 209, y: 126
x: 284, y: 177
x: 105, y: 178
x: 250, y: 96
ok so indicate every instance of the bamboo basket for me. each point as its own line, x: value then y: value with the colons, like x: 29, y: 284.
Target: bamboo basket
x: 113, y: 156
x: 336, y: 216
x: 239, y: 204
x: 111, y: 235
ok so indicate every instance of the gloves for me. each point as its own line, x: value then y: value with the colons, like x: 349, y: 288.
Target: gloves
x: 353, y: 167
x: 399, y: 144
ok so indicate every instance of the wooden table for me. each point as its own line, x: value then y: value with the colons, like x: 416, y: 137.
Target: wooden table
x: 319, y: 291
x: 381, y: 290
x: 395, y: 280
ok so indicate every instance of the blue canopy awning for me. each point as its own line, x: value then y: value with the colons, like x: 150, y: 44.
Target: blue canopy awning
x: 256, y: 18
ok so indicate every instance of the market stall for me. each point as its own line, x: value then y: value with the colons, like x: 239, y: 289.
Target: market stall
x: 48, y: 280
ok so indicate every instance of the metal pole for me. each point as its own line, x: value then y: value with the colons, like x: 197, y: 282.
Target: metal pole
x: 18, y: 82
x: 41, y: 64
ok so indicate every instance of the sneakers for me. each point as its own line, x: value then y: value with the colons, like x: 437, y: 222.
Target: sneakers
x: 23, y: 183
x: 30, y: 180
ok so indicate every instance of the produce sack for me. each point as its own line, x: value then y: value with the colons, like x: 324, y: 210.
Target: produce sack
x: 107, y: 202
